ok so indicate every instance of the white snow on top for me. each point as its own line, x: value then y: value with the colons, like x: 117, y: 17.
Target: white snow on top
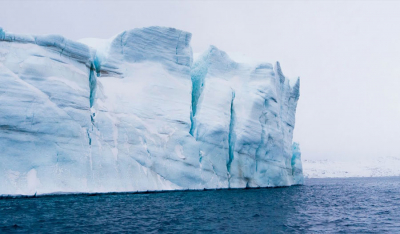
x: 102, y: 46
x: 243, y: 58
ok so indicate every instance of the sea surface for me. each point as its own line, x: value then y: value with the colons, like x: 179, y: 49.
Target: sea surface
x: 351, y: 205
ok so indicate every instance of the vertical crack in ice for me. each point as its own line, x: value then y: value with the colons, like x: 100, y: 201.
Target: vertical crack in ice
x: 231, y: 139
x: 198, y: 73
x: 200, y: 157
x: 94, y: 66
x: 90, y: 151
x: 97, y: 64
x: 122, y: 45
x: 92, y: 84
x: 177, y: 46
x: 88, y: 134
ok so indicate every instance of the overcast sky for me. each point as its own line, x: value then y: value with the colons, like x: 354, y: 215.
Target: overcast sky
x: 347, y: 55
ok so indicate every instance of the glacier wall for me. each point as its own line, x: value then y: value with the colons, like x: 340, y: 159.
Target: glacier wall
x: 135, y: 113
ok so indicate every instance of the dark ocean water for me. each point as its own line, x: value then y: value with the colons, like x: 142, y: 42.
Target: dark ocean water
x: 322, y: 205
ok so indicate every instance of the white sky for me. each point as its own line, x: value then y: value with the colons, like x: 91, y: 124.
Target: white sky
x: 347, y: 55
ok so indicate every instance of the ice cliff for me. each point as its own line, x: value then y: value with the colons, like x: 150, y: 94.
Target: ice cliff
x: 135, y: 113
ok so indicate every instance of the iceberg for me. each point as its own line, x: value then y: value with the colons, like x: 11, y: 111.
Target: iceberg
x: 136, y: 113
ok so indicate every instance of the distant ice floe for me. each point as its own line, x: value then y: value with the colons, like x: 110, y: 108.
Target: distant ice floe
x: 368, y: 167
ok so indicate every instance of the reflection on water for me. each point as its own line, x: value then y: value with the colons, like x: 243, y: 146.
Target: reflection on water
x: 322, y: 205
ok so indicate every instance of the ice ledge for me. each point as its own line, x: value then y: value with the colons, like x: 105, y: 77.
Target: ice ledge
x: 59, y: 44
x: 168, y: 46
x: 165, y: 45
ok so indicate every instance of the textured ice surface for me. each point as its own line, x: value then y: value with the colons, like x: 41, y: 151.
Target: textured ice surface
x: 134, y: 113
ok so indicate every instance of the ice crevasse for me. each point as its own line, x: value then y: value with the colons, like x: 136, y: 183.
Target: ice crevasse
x: 136, y: 113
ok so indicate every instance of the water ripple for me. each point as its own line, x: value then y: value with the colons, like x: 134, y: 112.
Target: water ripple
x: 352, y: 205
